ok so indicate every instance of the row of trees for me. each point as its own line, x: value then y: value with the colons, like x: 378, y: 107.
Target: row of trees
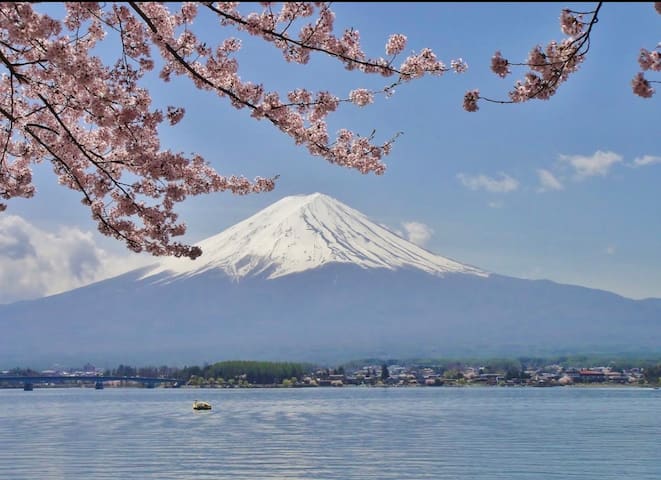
x: 253, y: 372
x: 149, y: 371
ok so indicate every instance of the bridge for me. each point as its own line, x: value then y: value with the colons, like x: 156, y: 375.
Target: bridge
x: 98, y: 380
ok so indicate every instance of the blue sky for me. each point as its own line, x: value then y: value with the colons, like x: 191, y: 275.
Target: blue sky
x: 546, y: 189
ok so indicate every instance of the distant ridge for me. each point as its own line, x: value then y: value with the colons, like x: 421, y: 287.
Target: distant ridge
x: 304, y: 232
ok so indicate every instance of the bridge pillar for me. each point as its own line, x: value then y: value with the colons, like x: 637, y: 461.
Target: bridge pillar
x: 28, y: 387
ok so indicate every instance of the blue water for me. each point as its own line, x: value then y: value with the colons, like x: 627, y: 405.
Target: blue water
x: 331, y: 433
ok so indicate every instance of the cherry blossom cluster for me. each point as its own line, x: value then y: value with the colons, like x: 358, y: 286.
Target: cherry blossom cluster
x: 649, y: 61
x: 548, y: 66
x: 94, y: 122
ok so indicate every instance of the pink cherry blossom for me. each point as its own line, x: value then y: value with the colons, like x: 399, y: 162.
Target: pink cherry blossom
x: 571, y: 24
x: 175, y: 114
x: 470, y: 100
x: 499, y: 65
x: 361, y: 97
x: 458, y: 65
x: 641, y: 86
x: 649, y: 60
x: 548, y: 66
x: 396, y: 44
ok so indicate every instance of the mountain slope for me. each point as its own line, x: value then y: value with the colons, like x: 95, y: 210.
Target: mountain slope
x: 311, y: 279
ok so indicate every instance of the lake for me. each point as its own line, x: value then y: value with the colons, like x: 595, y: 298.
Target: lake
x: 344, y: 433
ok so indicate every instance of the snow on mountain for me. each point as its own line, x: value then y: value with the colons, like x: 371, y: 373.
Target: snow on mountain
x: 304, y: 232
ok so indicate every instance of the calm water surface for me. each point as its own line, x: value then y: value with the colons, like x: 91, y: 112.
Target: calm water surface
x: 331, y: 433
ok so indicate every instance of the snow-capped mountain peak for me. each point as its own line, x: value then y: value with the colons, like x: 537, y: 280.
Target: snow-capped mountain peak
x: 304, y: 232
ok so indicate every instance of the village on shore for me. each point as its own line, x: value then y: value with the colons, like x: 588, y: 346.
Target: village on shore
x: 553, y: 375
x: 402, y: 376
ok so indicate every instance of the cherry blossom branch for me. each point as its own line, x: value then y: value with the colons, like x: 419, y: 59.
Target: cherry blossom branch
x: 305, y: 124
x: 549, y: 67
x: 648, y: 61
x: 102, y: 218
x: 299, y: 50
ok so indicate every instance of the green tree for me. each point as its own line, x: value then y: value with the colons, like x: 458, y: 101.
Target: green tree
x: 652, y: 374
x: 385, y: 374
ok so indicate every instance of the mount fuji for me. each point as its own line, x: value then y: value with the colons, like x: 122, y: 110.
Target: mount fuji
x: 311, y: 279
x: 306, y: 232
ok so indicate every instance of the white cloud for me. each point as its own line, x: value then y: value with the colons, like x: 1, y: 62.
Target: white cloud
x: 646, y: 160
x: 417, y: 233
x: 548, y: 181
x: 497, y: 204
x: 35, y: 263
x: 503, y: 185
x: 597, y: 164
x: 610, y: 250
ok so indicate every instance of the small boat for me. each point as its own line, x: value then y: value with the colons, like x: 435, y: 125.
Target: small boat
x: 201, y: 405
